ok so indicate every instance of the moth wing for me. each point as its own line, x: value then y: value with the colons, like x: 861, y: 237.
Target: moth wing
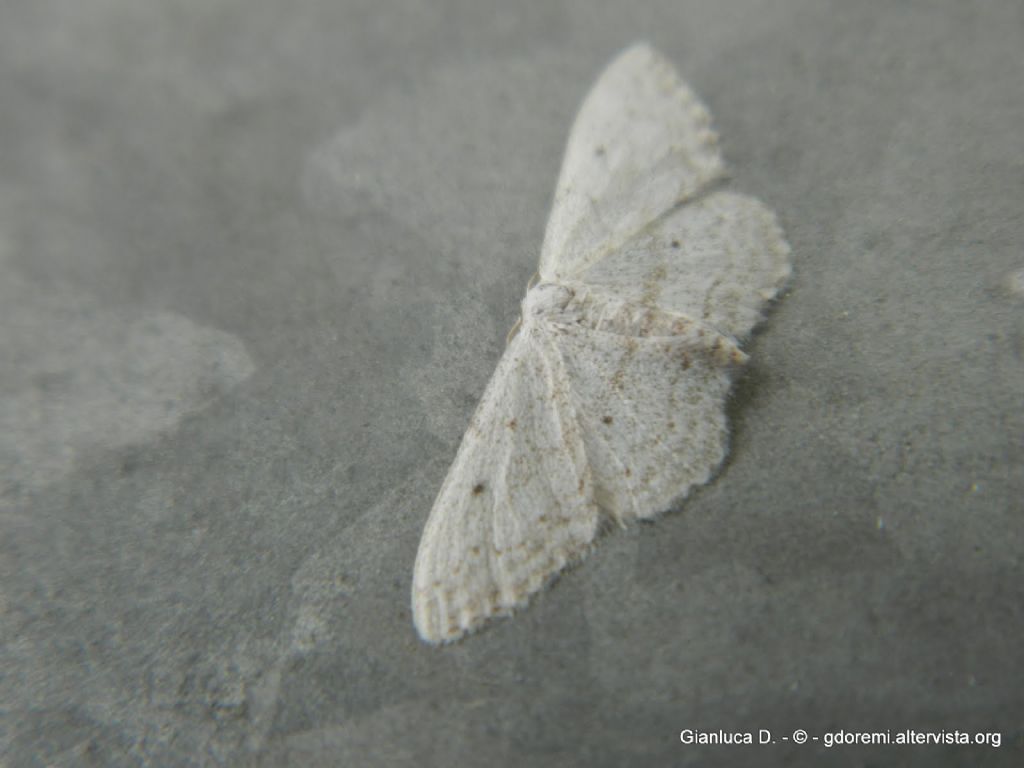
x: 641, y: 143
x: 718, y: 259
x: 516, y: 505
x: 651, y: 411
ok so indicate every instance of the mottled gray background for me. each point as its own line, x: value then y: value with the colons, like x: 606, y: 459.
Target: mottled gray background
x: 257, y: 262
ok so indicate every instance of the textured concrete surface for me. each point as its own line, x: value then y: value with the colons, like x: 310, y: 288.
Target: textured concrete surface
x: 257, y: 262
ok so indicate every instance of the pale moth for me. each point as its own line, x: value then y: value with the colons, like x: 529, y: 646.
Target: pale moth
x: 609, y: 402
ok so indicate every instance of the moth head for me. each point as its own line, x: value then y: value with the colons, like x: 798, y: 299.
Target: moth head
x: 545, y: 299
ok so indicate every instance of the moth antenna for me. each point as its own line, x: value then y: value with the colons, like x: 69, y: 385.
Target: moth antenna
x: 513, y: 330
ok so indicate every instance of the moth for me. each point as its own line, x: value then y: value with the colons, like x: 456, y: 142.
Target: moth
x: 609, y: 402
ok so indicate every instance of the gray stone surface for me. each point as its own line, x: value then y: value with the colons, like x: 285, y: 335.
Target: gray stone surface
x: 257, y: 262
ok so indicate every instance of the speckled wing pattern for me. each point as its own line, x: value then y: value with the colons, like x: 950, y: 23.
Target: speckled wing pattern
x: 608, y: 403
x: 641, y: 143
x: 648, y: 389
x: 516, y: 505
x: 718, y: 259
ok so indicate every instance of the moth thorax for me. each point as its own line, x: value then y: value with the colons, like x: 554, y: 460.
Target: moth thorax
x: 545, y: 299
